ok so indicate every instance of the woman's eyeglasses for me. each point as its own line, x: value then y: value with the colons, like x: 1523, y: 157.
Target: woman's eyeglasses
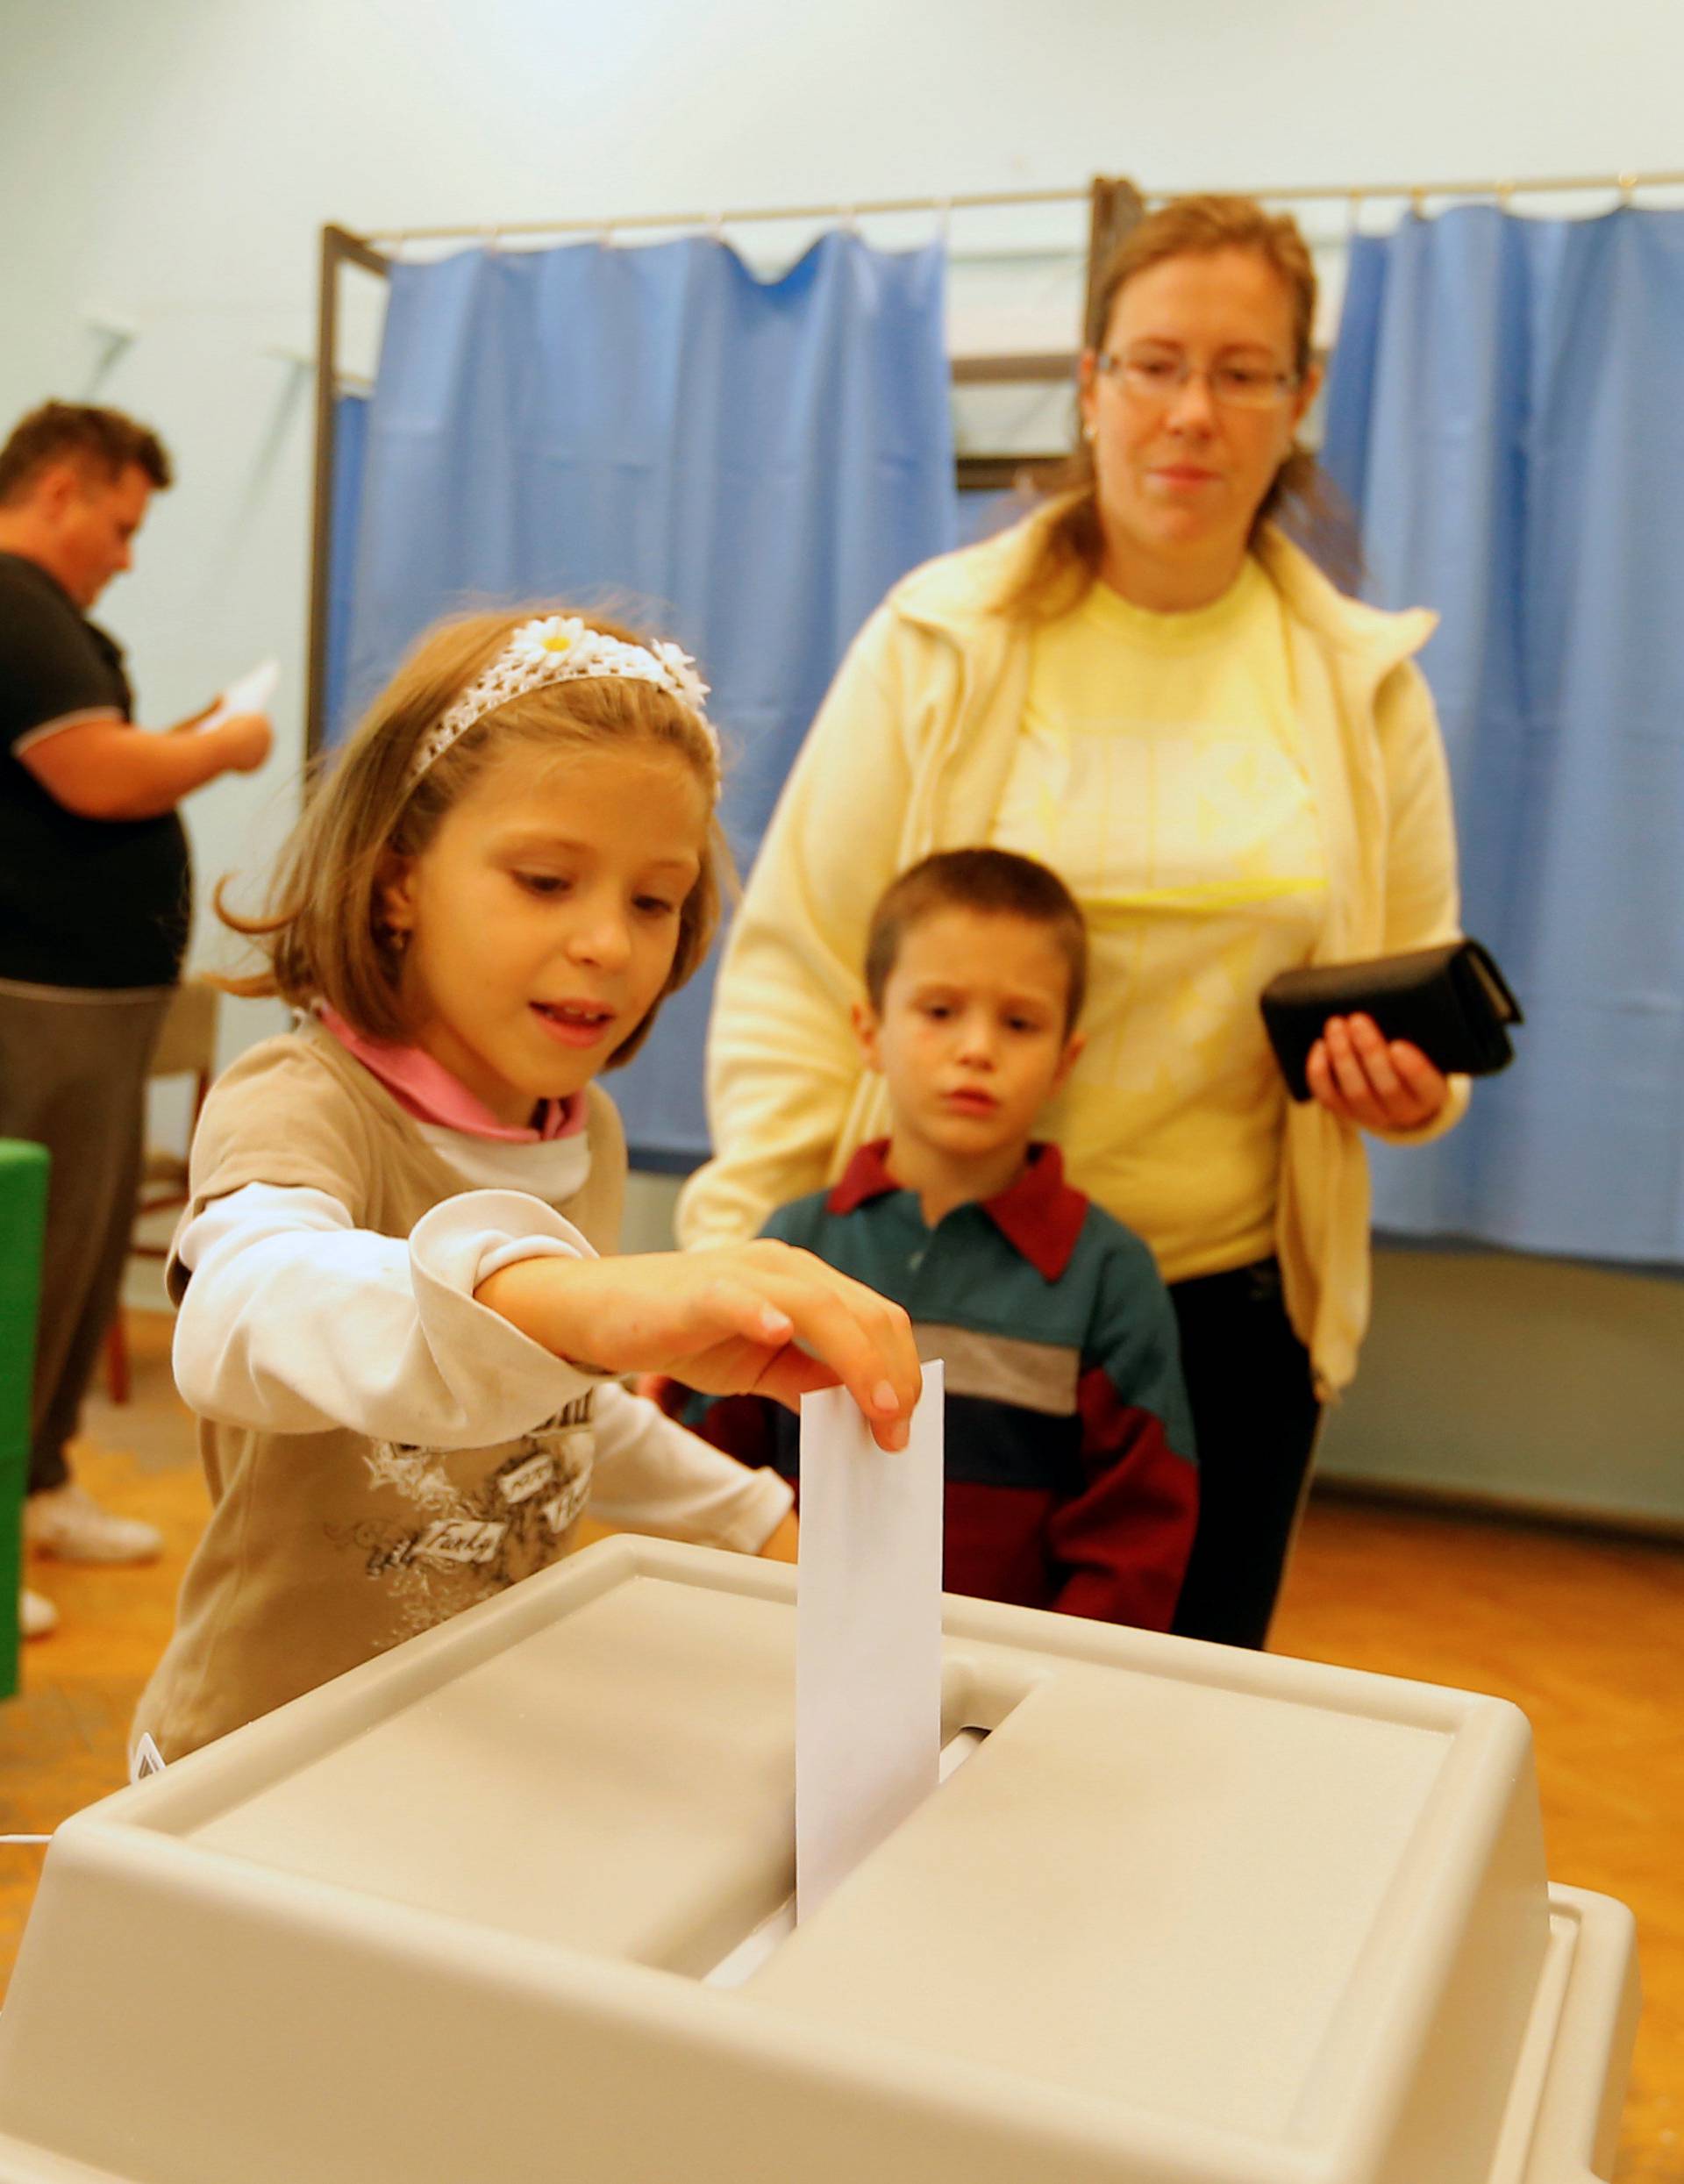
x: 1158, y: 375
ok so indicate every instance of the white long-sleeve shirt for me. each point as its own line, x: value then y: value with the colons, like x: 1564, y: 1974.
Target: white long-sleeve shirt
x: 296, y: 1321
x: 382, y: 1449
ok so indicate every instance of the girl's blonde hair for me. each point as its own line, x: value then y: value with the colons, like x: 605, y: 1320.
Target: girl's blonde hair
x: 322, y: 931
x: 1073, y: 543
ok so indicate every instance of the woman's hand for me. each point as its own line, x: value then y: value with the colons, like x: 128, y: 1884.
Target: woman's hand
x: 1378, y: 1083
x: 760, y: 1318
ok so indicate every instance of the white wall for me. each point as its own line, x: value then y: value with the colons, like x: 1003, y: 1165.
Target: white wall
x: 167, y: 166
x: 1559, y: 1387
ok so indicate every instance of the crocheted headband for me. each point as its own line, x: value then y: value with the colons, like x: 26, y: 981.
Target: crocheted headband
x: 561, y: 648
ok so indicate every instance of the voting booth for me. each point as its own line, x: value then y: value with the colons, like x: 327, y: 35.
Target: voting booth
x: 511, y: 1902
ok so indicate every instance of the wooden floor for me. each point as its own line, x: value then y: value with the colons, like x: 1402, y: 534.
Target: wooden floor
x: 1585, y: 1635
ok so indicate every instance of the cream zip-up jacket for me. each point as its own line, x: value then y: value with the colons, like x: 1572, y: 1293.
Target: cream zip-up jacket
x: 911, y: 753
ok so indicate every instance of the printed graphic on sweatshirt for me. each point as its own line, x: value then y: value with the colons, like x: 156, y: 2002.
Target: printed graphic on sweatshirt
x: 457, y: 1525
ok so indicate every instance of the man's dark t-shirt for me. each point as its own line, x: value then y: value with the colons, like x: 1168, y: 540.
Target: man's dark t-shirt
x: 92, y: 903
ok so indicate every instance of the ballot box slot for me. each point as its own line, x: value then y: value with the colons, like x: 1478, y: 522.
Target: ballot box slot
x: 757, y: 1946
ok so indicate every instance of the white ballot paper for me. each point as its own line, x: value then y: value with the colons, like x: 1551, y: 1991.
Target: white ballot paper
x: 868, y: 1634
x: 251, y: 694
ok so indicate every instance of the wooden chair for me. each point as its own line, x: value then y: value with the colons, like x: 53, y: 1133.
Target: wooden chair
x: 186, y: 1047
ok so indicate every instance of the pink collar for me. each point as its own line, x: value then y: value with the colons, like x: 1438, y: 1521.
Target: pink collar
x: 425, y: 1089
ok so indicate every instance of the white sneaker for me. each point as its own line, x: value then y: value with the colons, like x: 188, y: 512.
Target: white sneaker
x: 36, y: 1617
x: 69, y: 1522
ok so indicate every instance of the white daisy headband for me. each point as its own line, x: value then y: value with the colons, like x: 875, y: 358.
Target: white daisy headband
x: 561, y: 648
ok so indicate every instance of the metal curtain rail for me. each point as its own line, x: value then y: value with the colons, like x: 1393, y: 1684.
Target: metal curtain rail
x: 1546, y: 185
x: 967, y: 201
x: 725, y: 217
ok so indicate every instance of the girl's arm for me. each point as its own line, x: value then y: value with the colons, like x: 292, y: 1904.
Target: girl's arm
x: 760, y: 1318
x: 293, y: 1320
x: 492, y: 1315
x: 650, y: 1476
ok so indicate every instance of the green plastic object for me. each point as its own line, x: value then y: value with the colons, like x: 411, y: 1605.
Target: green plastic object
x: 23, y: 1222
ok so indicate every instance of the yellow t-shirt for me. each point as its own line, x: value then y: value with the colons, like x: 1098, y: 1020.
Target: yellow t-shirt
x: 1159, y: 772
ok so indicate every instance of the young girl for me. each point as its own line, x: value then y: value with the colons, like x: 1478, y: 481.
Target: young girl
x: 394, y: 1325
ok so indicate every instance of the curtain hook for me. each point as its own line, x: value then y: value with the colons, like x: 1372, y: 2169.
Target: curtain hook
x: 945, y: 221
x: 1505, y: 192
x: 1628, y: 183
x: 494, y: 240
x: 1352, y: 216
x: 717, y: 227
x: 850, y: 218
x: 1418, y: 203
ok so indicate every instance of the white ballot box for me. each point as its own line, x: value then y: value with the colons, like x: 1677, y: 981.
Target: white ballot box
x: 1184, y: 1916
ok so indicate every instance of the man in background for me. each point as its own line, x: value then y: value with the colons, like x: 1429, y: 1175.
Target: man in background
x: 95, y: 905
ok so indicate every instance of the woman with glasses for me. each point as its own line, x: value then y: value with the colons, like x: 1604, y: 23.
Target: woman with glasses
x: 1235, y: 767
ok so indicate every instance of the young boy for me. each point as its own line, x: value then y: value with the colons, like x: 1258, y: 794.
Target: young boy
x: 1070, y: 1479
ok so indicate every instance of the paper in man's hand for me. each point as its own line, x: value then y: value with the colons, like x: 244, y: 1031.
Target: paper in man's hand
x: 253, y: 693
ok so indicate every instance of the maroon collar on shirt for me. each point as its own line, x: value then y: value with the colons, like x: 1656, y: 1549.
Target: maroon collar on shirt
x: 1039, y: 1214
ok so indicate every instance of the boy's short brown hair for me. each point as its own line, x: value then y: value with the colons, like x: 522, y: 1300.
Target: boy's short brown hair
x: 996, y: 882
x: 104, y: 440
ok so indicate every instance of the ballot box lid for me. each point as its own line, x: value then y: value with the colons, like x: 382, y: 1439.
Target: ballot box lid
x: 1257, y: 1918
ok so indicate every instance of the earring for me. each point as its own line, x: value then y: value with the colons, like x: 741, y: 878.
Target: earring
x: 1090, y: 433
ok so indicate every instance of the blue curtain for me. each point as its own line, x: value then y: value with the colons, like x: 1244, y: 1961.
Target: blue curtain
x: 754, y: 462
x: 1504, y: 410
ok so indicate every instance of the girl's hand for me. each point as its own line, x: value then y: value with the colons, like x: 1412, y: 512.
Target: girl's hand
x: 1378, y: 1083
x: 725, y: 1321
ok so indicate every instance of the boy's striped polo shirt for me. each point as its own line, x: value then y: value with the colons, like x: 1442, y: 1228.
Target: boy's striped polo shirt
x: 1070, y: 1479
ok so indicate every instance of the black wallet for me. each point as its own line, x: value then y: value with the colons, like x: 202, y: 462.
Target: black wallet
x: 1452, y: 1001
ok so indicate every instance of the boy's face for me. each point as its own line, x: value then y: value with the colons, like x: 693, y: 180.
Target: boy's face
x: 971, y: 1036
